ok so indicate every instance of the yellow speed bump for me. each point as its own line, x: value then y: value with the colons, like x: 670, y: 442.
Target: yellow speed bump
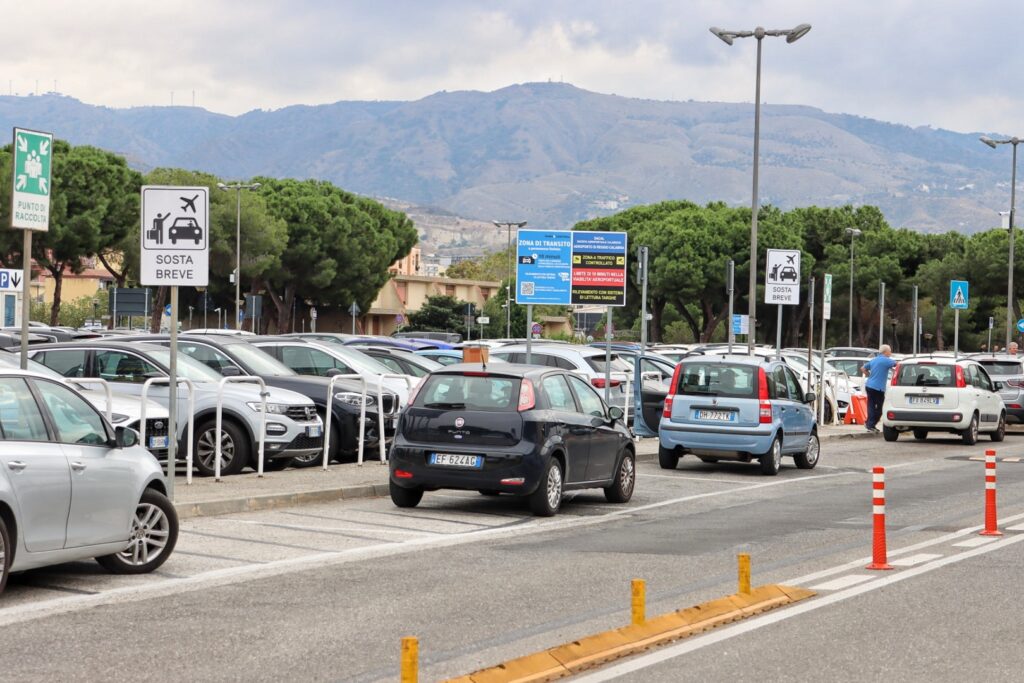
x: 607, y: 646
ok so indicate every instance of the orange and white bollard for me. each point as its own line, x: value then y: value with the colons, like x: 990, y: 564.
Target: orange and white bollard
x: 991, y: 524
x: 878, y: 553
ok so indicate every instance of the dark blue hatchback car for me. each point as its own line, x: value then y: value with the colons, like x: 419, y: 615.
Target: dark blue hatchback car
x: 523, y: 430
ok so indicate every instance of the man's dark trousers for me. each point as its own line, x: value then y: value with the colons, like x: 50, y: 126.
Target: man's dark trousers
x: 875, y: 399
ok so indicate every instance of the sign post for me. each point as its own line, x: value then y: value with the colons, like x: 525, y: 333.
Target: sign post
x: 642, y: 270
x: 354, y: 311
x: 782, y: 284
x: 30, y: 206
x: 730, y: 286
x: 991, y: 324
x: 914, y: 319
x: 881, y: 313
x: 959, y: 300
x: 563, y: 267
x: 175, y: 252
x: 826, y: 314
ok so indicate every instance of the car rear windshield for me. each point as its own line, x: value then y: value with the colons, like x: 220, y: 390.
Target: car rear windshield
x: 718, y: 379
x: 1003, y: 367
x: 849, y: 366
x: 617, y: 364
x: 926, y: 375
x: 469, y: 392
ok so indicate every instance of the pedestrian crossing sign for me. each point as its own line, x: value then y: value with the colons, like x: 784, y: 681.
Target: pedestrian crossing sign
x: 959, y: 294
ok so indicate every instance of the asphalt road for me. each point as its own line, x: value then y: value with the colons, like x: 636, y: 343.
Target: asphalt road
x: 326, y: 592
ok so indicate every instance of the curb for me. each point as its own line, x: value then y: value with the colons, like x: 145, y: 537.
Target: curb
x: 848, y: 435
x: 572, y: 658
x: 271, y: 501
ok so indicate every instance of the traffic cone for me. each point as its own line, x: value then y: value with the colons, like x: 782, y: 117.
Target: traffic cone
x: 878, y: 553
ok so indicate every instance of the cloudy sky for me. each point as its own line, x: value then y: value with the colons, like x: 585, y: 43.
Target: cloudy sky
x: 947, y: 63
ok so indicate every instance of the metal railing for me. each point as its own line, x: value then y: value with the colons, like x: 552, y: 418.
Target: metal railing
x: 241, y: 379
x: 82, y: 381
x: 189, y: 457
x: 380, y: 410
x: 330, y: 411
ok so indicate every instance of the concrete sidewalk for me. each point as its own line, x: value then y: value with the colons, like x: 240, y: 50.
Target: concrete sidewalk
x: 247, y: 492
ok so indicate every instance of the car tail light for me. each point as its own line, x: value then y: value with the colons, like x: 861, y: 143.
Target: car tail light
x: 765, y: 412
x: 672, y: 388
x: 957, y: 417
x: 960, y: 383
x: 896, y: 376
x: 599, y: 382
x: 1015, y: 406
x: 762, y: 384
x: 891, y: 415
x: 1015, y: 382
x: 402, y: 474
x: 527, y: 399
x: 667, y: 410
x: 514, y: 481
x: 764, y: 406
x: 476, y: 373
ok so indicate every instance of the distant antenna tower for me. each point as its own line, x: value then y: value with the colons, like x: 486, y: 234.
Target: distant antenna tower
x: 193, y: 97
x: 172, y: 98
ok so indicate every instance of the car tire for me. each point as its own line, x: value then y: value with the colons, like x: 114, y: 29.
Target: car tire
x: 708, y: 459
x: 403, y: 497
x: 920, y: 434
x: 547, y: 498
x: 809, y: 458
x: 621, y: 489
x: 668, y: 459
x: 154, y: 528
x: 771, y: 462
x: 234, y: 448
x: 1000, y: 432
x: 969, y: 436
x: 890, y: 433
x: 6, y: 554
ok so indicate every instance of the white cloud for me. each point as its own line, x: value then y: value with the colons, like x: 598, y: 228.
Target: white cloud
x: 941, y: 62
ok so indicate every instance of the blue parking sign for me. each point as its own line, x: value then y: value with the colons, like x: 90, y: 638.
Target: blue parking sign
x: 959, y: 294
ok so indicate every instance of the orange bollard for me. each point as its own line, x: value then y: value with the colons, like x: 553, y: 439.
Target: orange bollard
x: 991, y: 523
x: 879, y: 560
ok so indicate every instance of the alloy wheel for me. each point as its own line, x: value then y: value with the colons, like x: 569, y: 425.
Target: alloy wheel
x: 149, y: 535
x: 554, y: 487
x: 777, y: 454
x: 626, y: 474
x: 812, y: 449
x: 206, y: 448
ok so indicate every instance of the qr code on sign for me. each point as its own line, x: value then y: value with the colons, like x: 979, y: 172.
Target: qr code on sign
x: 526, y: 288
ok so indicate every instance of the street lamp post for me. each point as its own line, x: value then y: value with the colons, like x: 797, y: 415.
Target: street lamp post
x: 852, y: 232
x: 238, y: 187
x: 508, y: 284
x: 1013, y: 196
x: 792, y: 35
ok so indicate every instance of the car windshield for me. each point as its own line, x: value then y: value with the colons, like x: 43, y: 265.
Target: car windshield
x: 9, y: 360
x: 718, y: 379
x: 359, y: 361
x: 189, y: 368
x: 261, y: 362
x: 1003, y: 367
x: 925, y: 375
x: 469, y: 392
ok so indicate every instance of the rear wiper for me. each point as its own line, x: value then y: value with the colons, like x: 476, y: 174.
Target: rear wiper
x: 450, y: 406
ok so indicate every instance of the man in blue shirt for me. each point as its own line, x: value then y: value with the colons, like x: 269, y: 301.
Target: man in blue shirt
x: 877, y: 371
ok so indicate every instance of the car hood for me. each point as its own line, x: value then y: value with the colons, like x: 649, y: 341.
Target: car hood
x: 317, y: 386
x: 125, y: 405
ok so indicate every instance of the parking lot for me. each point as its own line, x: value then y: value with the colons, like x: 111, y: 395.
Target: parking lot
x: 324, y: 591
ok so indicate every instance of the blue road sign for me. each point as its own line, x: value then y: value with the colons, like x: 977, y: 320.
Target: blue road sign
x: 1020, y: 325
x: 167, y: 310
x: 740, y: 324
x: 544, y: 267
x: 959, y: 294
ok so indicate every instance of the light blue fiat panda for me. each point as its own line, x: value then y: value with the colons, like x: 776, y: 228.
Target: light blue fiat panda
x: 738, y: 408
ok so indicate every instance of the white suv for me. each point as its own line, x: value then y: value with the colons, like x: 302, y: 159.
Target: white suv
x: 943, y: 395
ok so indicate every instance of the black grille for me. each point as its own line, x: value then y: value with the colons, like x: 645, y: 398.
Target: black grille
x: 304, y: 442
x: 301, y: 413
x: 390, y: 404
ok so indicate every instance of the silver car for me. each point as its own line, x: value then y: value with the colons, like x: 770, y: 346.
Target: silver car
x: 586, y: 361
x: 72, y: 487
x: 1009, y: 371
x: 293, y: 426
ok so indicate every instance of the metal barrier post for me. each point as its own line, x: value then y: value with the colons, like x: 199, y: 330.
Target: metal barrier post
x: 82, y: 381
x: 330, y: 410
x: 251, y: 379
x: 191, y: 421
x: 380, y: 409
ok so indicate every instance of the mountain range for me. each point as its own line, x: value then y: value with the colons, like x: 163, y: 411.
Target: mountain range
x: 553, y: 154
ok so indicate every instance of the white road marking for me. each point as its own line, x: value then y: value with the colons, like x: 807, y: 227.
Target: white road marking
x: 976, y: 541
x: 679, y: 476
x: 843, y: 582
x: 232, y: 575
x: 340, y: 529
x: 920, y: 558
x: 723, y: 634
x: 1018, y: 527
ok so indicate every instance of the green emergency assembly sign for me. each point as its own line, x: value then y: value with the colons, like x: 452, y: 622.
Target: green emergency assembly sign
x: 30, y: 198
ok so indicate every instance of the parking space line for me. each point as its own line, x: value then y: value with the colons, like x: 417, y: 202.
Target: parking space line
x: 217, y: 557
x: 1018, y: 527
x: 38, y: 585
x: 335, y: 531
x: 975, y: 542
x: 677, y: 476
x: 349, y: 519
x: 253, y: 540
x: 920, y: 558
x: 407, y: 515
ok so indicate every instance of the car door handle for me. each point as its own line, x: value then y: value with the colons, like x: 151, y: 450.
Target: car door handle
x: 78, y: 466
x: 16, y: 465
x: 580, y: 430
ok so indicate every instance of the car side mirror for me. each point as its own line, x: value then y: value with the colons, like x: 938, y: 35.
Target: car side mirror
x: 230, y: 371
x: 332, y: 372
x: 615, y: 413
x: 998, y: 385
x: 125, y: 437
x: 810, y: 397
